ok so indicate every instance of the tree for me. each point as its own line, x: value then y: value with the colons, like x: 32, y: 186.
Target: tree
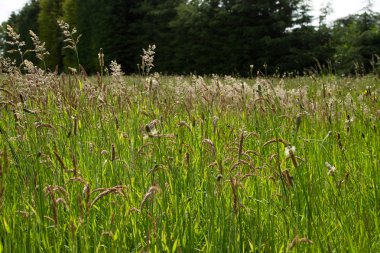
x: 70, y: 15
x: 198, y: 42
x: 356, y: 39
x: 227, y: 36
x: 201, y: 36
x: 50, y: 12
x: 151, y: 25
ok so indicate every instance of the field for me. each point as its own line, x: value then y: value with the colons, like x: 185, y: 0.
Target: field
x: 189, y: 164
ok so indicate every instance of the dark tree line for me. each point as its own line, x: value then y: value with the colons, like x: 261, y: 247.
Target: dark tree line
x: 202, y: 36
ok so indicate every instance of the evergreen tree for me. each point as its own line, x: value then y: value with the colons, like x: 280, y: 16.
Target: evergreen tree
x: 356, y: 40
x: 151, y: 25
x: 50, y: 12
x: 304, y: 46
x: 111, y: 30
x: 70, y: 16
x: 82, y: 14
x: 229, y: 35
x: 201, y: 36
x: 188, y: 26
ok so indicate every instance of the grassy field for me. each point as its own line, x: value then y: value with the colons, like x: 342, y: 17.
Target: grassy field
x: 189, y: 164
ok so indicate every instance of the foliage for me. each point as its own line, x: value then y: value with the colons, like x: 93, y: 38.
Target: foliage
x: 50, y: 12
x: 204, y: 37
x: 357, y: 42
x: 185, y: 164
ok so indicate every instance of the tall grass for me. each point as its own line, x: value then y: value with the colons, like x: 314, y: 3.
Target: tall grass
x: 187, y: 164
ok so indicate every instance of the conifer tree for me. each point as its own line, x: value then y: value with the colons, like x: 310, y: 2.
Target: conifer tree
x: 49, y: 32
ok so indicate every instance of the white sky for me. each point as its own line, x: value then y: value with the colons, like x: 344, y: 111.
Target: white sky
x: 341, y: 8
x: 7, y: 6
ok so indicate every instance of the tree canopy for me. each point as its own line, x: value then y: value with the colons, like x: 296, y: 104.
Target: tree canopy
x: 202, y: 36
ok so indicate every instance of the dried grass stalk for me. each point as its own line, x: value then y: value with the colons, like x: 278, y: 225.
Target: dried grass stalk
x: 211, y: 145
x: 60, y: 160
x: 119, y: 189
x: 149, y: 194
x: 288, y: 179
x: 296, y: 240
x: 285, y: 142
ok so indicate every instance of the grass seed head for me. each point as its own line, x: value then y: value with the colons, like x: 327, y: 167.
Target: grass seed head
x: 331, y: 168
x: 39, y: 47
x: 113, y: 152
x: 101, y: 58
x: 154, y: 189
x: 211, y: 145
x: 290, y: 151
x: 296, y: 241
x: 288, y: 179
x: 215, y: 123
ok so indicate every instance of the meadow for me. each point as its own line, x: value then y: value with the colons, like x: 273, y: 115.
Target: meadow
x: 151, y: 163
x: 187, y: 164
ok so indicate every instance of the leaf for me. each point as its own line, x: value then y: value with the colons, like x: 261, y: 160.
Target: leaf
x: 175, y: 246
x: 251, y: 247
x: 6, y: 226
x: 116, y: 235
x: 80, y: 85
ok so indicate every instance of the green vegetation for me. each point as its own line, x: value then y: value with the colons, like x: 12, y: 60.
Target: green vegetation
x: 157, y: 163
x: 204, y: 36
x: 184, y: 164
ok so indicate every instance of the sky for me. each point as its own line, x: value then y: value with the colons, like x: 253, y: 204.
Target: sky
x: 341, y: 8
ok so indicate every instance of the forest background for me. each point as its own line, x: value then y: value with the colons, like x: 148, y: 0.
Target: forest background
x: 231, y: 37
